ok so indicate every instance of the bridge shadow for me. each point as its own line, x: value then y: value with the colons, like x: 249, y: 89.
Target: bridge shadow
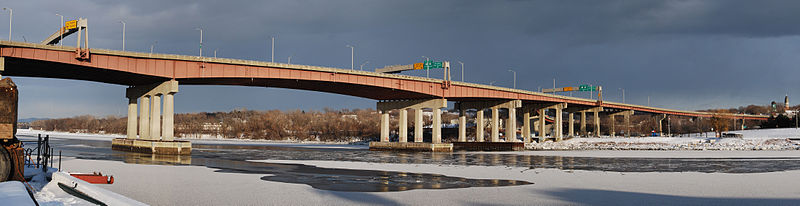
x: 360, y: 197
x: 608, y: 197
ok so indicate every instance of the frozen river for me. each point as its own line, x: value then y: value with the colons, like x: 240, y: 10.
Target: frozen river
x: 375, y: 176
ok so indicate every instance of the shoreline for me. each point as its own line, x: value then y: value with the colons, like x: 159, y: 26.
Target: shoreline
x: 752, y: 142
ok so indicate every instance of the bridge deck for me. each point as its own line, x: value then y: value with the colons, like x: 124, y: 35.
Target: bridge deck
x: 136, y: 68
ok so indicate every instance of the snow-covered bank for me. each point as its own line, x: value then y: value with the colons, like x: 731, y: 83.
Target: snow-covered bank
x: 23, y: 133
x: 194, y: 185
x: 763, y: 139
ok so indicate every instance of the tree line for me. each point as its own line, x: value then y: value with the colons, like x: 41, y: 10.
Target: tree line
x: 326, y: 125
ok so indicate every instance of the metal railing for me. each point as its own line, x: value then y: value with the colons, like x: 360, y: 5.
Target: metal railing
x: 43, y: 152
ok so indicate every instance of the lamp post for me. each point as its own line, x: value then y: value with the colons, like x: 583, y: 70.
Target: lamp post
x: 352, y: 56
x: 362, y: 66
x: 61, y: 31
x: 290, y: 60
x: 201, y: 41
x: 10, y: 17
x: 462, y: 70
x: 123, y: 34
x: 623, y: 95
x: 151, y: 47
x: 515, y: 78
x: 215, y: 53
x: 272, y: 51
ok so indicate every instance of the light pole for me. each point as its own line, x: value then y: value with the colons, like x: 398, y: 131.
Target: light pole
x: 623, y: 95
x: 272, y: 51
x: 427, y: 71
x: 10, y: 17
x: 123, y: 34
x: 515, y: 78
x: 352, y: 57
x: 362, y: 66
x: 201, y: 41
x: 462, y: 70
x: 290, y: 60
x: 61, y: 31
x: 151, y: 47
x: 215, y: 53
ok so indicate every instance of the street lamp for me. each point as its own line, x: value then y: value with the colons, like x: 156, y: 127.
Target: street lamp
x: 61, y: 31
x: 515, y: 78
x: 151, y: 47
x: 10, y: 16
x: 362, y: 66
x: 215, y: 53
x: 290, y: 60
x: 462, y: 70
x: 201, y: 41
x: 352, y: 57
x: 623, y: 95
x: 272, y: 51
x: 123, y: 34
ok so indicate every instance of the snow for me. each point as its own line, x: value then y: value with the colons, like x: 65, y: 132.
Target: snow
x: 66, y: 135
x: 14, y: 193
x: 108, y: 137
x: 769, y: 133
x: 763, y: 139
x: 195, y: 185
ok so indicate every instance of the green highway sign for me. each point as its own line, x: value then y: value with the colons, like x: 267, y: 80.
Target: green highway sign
x: 586, y: 88
x: 432, y: 65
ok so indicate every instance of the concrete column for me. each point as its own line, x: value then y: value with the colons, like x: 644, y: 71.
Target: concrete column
x: 144, y: 117
x: 559, y: 124
x: 597, y: 124
x: 571, y: 121
x: 526, y: 126
x: 583, y: 124
x: 436, y: 129
x: 542, y: 125
x: 511, y: 125
x: 462, y: 126
x: 403, y: 125
x: 418, y: 125
x: 627, y: 125
x: 480, y: 126
x: 169, y: 117
x: 613, y: 126
x: 495, y: 125
x: 155, y: 118
x: 132, y: 118
x: 384, y: 126
x: 660, y: 130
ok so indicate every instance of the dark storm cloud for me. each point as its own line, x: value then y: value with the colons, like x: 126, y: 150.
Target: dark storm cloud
x: 684, y: 54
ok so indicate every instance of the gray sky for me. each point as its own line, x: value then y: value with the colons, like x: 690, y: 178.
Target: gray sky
x: 683, y: 54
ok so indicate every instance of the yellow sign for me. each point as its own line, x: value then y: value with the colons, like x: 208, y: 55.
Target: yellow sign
x: 418, y: 65
x: 71, y: 24
x: 566, y: 89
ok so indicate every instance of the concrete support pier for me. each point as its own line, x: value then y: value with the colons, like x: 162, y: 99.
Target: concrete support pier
x: 582, y: 110
x: 627, y: 117
x: 156, y: 130
x: 494, y: 143
x: 542, y: 108
x: 436, y: 145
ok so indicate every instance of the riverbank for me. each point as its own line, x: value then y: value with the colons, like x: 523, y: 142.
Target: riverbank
x: 762, y: 139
